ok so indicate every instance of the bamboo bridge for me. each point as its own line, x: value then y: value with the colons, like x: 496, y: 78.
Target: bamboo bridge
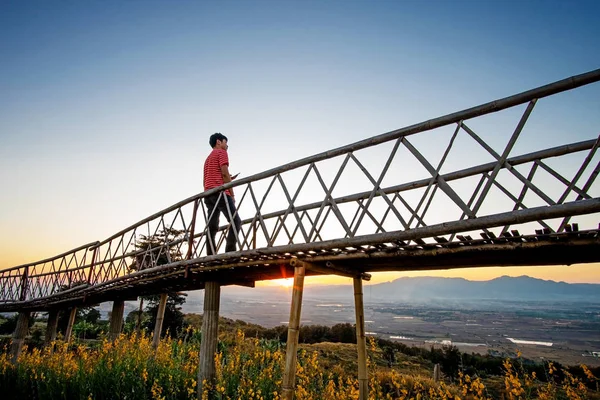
x: 380, y: 204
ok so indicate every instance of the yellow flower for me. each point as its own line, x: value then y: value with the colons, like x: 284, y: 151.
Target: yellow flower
x: 588, y: 373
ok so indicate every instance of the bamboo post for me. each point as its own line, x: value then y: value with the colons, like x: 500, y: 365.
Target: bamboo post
x: 436, y: 372
x: 138, y: 324
x: 160, y: 316
x: 192, y: 231
x: 51, y: 327
x: 293, y: 331
x: 361, y: 340
x: 210, y: 331
x: 70, y: 324
x: 91, y: 271
x: 254, y: 235
x: 19, y: 334
x: 116, y: 319
x: 24, y: 284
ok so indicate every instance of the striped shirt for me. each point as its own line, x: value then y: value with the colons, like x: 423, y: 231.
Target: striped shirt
x: 212, y: 169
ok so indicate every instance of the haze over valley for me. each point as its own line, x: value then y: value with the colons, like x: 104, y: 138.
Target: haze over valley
x: 542, y: 319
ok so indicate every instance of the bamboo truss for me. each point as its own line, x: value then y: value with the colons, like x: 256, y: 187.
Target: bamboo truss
x: 306, y: 210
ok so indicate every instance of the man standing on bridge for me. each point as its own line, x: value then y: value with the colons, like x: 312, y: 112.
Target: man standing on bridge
x: 216, y: 173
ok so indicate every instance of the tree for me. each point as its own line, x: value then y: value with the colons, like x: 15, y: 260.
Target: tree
x: 343, y: 333
x: 173, y: 321
x: 9, y: 324
x: 452, y: 360
x: 153, y: 251
x: 86, y: 330
x: 88, y: 314
x: 132, y: 319
x: 157, y: 249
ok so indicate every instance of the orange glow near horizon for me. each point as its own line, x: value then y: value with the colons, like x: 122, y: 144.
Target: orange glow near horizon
x: 581, y: 273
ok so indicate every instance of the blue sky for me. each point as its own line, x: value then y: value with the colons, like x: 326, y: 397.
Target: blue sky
x: 106, y: 107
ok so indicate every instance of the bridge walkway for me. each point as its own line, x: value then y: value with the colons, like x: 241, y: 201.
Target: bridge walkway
x: 445, y: 193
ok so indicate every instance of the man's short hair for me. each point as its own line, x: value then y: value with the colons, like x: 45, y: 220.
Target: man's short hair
x: 214, y: 137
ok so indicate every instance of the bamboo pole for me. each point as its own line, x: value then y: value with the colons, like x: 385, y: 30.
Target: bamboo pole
x: 289, y: 376
x: 436, y: 373
x: 91, y: 271
x: 361, y: 340
x: 24, y: 284
x: 70, y: 324
x: 192, y: 230
x: 160, y: 315
x: 51, y: 327
x: 116, y: 319
x: 18, y: 338
x: 138, y: 324
x: 210, y: 333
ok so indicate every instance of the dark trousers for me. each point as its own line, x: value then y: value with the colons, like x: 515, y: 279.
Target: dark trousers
x: 226, y: 206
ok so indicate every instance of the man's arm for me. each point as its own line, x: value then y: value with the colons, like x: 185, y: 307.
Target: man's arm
x: 226, y: 176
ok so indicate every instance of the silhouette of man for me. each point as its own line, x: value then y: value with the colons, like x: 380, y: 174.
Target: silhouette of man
x: 216, y: 173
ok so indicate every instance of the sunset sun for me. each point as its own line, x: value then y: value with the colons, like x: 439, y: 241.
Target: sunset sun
x: 286, y: 283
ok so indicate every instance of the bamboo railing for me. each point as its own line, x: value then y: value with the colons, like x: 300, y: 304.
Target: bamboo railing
x: 388, y: 188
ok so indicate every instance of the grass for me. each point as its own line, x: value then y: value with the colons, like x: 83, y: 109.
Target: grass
x: 251, y: 368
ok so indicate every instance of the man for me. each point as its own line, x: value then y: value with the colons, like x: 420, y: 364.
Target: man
x: 216, y: 173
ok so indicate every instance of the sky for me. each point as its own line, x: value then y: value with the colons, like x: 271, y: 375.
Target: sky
x: 106, y: 107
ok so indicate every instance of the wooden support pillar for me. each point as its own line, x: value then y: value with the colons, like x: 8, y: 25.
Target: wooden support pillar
x: 160, y: 316
x: 361, y: 340
x: 51, y: 327
x: 436, y: 373
x: 210, y: 333
x: 116, y: 319
x: 18, y: 338
x: 70, y: 324
x: 138, y: 324
x: 289, y: 376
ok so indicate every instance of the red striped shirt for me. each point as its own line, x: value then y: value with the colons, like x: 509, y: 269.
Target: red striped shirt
x: 212, y: 169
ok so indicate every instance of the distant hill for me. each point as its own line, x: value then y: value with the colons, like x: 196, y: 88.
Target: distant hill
x: 502, y: 288
x: 427, y: 289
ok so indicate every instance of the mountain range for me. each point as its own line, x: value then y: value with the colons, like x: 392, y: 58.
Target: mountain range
x: 424, y: 289
x: 502, y: 288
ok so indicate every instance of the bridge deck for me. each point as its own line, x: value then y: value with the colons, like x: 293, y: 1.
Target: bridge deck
x: 247, y: 267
